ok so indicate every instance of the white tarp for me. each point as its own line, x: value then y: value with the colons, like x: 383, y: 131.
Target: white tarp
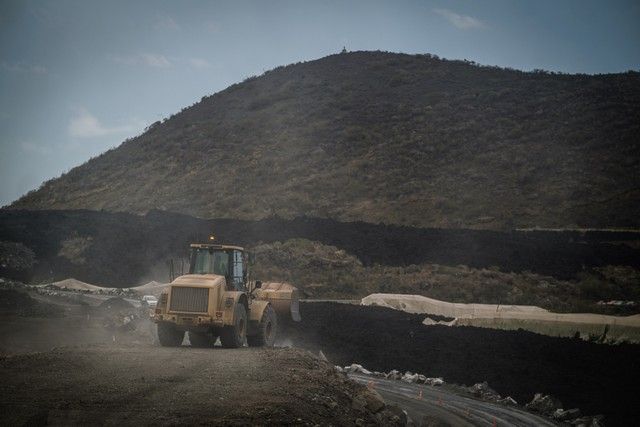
x: 530, y: 318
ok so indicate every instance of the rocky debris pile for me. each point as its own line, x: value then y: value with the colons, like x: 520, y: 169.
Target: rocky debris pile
x: 17, y: 302
x: 6, y: 283
x: 51, y: 289
x: 72, y: 284
x: 78, y: 286
x: 392, y: 375
x: 408, y: 377
x: 367, y: 399
x: 479, y: 390
x: 566, y: 415
x: 508, y: 401
x: 116, y: 303
x: 483, y: 391
x: 120, y: 315
x: 552, y: 407
x: 363, y: 405
x: 589, y: 421
x: 121, y: 322
x: 354, y: 368
x: 150, y: 288
x: 371, y: 401
x: 542, y: 404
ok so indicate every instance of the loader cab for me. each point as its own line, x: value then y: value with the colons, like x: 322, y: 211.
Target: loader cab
x: 228, y: 261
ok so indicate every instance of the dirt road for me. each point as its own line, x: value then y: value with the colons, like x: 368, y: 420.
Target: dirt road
x: 146, y: 385
x: 425, y: 404
x: 83, y: 366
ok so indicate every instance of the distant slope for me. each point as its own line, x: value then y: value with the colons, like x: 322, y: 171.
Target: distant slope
x: 384, y: 137
x: 119, y: 249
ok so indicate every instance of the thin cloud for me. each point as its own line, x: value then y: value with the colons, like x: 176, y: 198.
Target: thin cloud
x: 85, y: 125
x: 148, y: 59
x: 166, y: 23
x: 199, y: 63
x: 22, y: 68
x: 462, y: 22
x: 154, y: 60
x: 211, y: 27
x: 160, y: 61
x: 49, y: 15
x: 31, y: 148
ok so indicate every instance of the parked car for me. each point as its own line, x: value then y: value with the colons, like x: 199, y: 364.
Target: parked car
x: 150, y: 300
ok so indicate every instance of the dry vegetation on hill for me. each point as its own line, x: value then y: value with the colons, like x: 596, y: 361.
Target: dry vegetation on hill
x: 323, y: 271
x: 382, y: 137
x: 566, y: 271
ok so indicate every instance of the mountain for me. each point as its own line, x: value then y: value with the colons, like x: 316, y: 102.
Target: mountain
x: 384, y: 137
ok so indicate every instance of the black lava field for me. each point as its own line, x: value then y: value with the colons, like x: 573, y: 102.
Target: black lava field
x: 593, y: 377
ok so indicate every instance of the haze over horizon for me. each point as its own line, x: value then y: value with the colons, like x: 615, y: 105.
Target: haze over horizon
x: 80, y: 77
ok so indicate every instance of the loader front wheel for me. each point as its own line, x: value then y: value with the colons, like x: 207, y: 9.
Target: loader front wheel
x: 169, y: 335
x: 267, y: 330
x: 234, y: 336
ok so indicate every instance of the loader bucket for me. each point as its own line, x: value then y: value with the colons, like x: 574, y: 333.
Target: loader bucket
x: 284, y: 299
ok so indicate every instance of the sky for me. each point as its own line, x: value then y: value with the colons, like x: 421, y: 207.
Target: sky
x: 80, y: 77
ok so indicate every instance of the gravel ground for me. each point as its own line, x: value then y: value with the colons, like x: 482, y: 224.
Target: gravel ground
x: 86, y: 368
x: 147, y: 385
x: 88, y: 371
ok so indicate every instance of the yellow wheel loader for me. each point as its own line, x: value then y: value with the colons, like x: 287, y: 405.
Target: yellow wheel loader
x: 218, y: 298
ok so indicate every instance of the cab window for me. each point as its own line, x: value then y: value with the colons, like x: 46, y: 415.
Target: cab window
x: 206, y: 261
x: 238, y: 270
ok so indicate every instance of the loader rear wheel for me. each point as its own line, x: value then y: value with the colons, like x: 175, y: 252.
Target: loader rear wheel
x: 169, y: 335
x: 234, y: 336
x: 201, y: 340
x: 267, y: 330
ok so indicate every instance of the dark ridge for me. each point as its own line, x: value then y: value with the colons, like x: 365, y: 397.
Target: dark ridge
x: 122, y: 248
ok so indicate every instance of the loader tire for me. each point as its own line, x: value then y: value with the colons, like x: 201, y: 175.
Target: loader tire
x: 201, y: 340
x: 267, y: 330
x: 234, y: 336
x: 169, y: 336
